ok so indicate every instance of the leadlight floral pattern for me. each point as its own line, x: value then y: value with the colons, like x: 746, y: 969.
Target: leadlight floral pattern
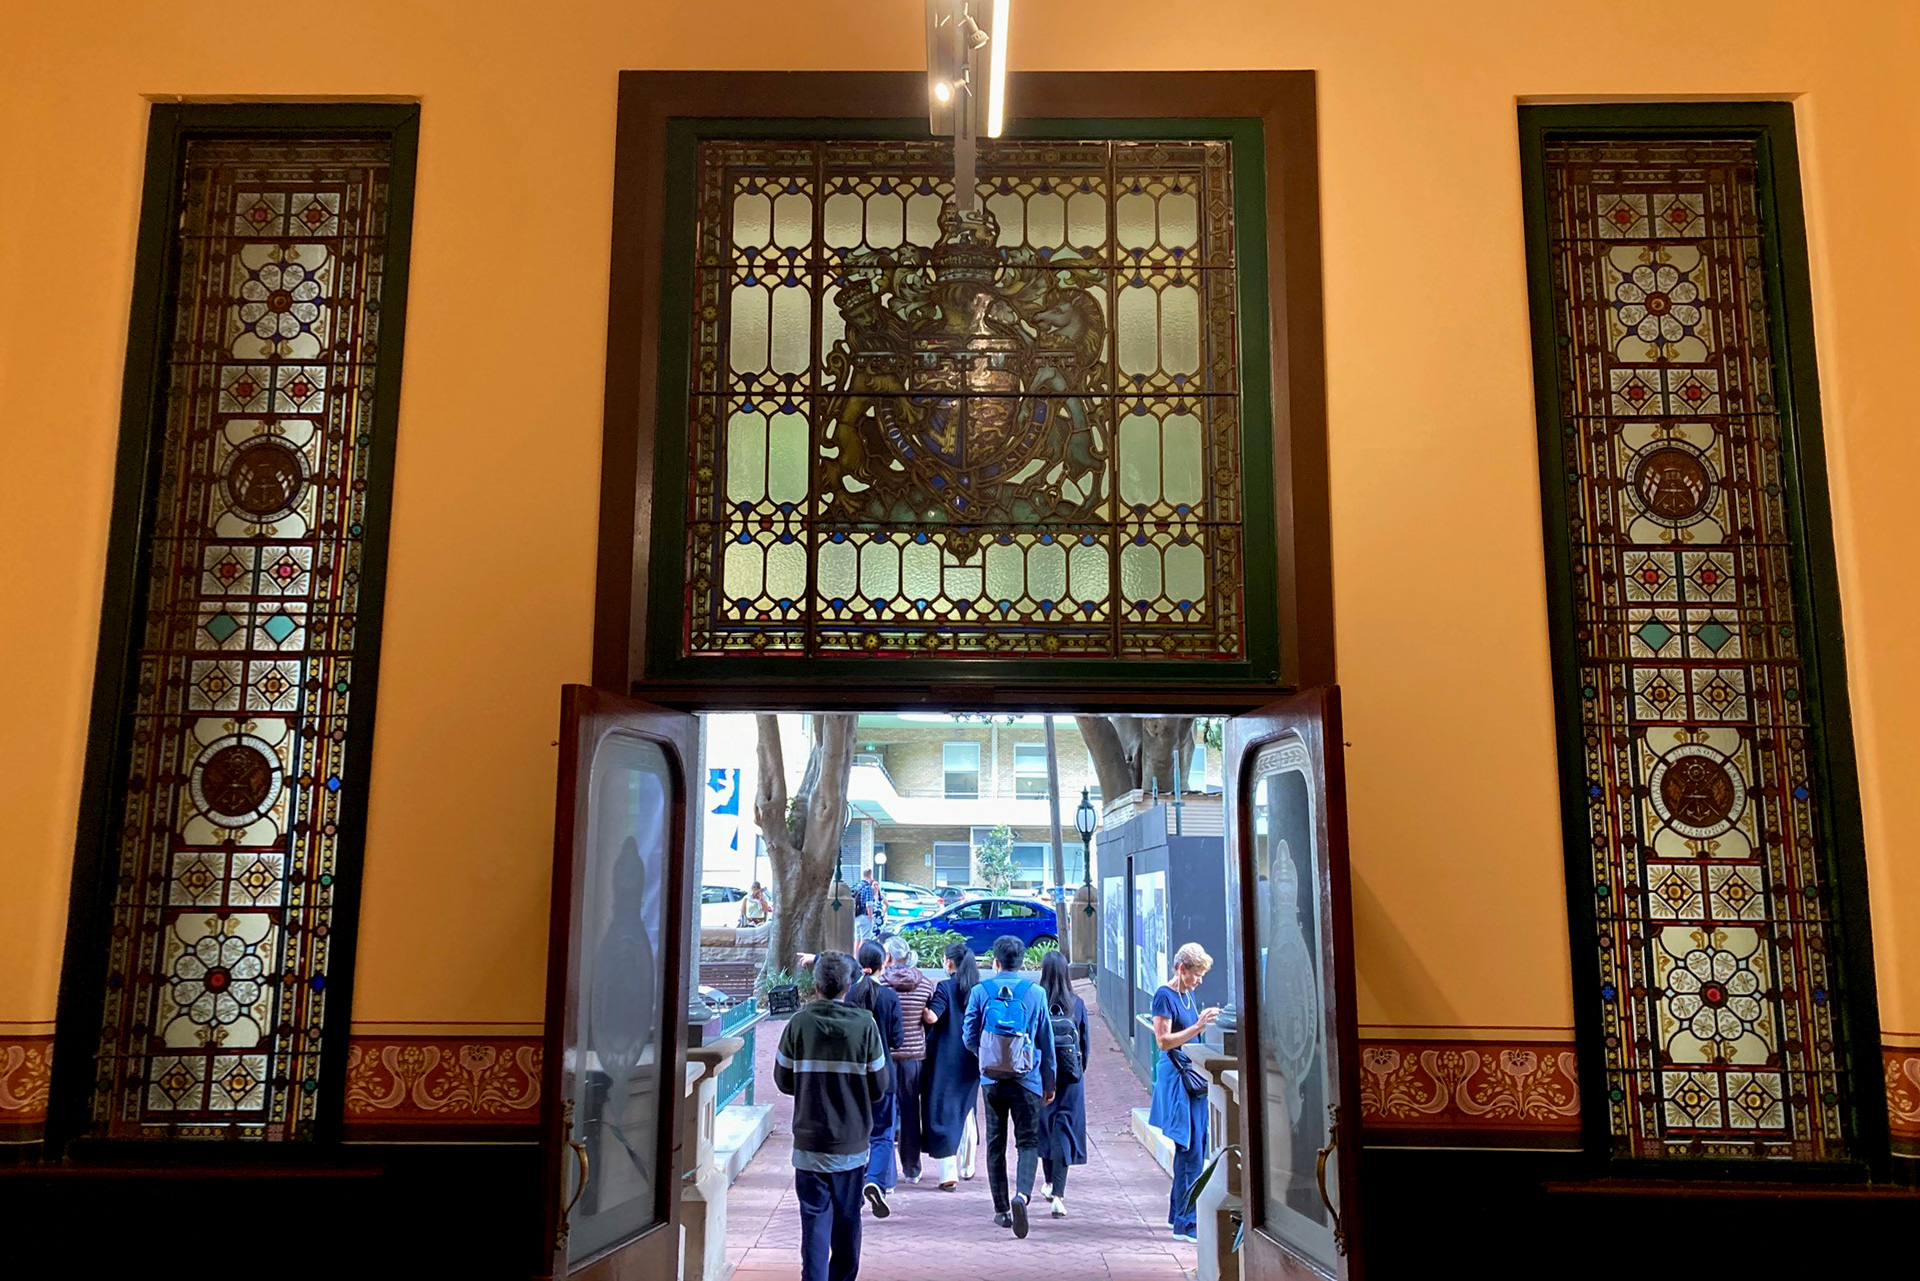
x: 217, y: 986
x: 1717, y: 992
x: 917, y: 434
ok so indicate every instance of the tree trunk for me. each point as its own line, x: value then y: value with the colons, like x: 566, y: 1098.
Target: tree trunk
x: 803, y: 833
x: 1110, y: 763
x: 1164, y: 744
x: 1053, y: 805
x: 1136, y: 751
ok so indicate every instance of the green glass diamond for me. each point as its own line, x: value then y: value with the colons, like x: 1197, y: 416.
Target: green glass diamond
x: 1713, y: 636
x: 279, y: 627
x: 1654, y: 635
x: 221, y: 626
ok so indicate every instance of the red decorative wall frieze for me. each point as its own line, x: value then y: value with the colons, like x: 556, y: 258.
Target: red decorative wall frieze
x: 443, y: 1085
x: 1903, y: 1099
x: 26, y: 1072
x: 1488, y: 1093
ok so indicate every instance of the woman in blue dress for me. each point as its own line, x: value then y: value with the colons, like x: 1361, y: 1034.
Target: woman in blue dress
x: 1175, y: 1113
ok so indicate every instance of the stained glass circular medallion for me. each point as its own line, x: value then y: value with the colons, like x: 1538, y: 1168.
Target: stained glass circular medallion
x: 1672, y: 483
x: 1697, y: 791
x: 264, y: 477
x: 236, y: 780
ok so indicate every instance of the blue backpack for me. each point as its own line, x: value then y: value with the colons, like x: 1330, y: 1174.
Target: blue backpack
x: 1007, y: 1052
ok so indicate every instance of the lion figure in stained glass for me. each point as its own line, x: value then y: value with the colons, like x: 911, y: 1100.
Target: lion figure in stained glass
x: 963, y: 390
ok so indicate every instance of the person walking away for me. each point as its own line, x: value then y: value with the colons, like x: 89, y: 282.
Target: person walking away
x: 914, y: 989
x: 950, y: 1079
x: 869, y: 906
x: 1177, y: 1112
x: 878, y: 999
x: 1063, y: 1123
x: 833, y: 1063
x: 1008, y: 1029
x: 756, y: 908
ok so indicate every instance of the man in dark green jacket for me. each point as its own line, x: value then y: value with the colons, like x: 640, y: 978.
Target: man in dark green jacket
x: 834, y: 1064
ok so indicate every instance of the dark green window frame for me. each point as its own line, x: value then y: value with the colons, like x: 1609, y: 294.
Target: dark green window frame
x: 663, y: 115
x: 140, y: 454
x: 1815, y: 589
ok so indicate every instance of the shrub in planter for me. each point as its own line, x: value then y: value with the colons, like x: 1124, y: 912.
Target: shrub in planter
x: 1038, y: 953
x: 786, y: 989
x: 930, y: 946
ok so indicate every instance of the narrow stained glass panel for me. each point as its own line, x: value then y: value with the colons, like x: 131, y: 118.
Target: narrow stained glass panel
x: 1717, y: 985
x: 917, y: 433
x: 217, y: 985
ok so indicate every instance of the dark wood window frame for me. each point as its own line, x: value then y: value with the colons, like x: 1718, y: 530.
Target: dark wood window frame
x: 1816, y: 588
x: 123, y: 613
x: 1280, y: 103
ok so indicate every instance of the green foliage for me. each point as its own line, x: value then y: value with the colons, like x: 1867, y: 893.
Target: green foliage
x: 930, y: 946
x: 773, y: 976
x: 1200, y: 1185
x: 1037, y: 954
x: 997, y: 867
x: 1213, y: 732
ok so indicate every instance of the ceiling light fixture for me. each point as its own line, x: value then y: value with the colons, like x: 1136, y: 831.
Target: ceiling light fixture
x: 997, y: 61
x: 963, y: 56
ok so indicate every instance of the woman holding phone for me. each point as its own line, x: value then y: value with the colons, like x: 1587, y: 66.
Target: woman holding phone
x: 1177, y: 1111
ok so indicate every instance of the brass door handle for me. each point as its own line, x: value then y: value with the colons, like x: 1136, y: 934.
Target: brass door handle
x: 586, y: 1171
x: 1320, y: 1177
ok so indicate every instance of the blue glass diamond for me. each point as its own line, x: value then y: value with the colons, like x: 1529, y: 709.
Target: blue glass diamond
x: 1655, y: 634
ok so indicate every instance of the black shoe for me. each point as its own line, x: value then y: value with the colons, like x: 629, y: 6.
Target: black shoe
x: 1019, y: 1215
x: 1003, y: 1220
x: 877, y: 1201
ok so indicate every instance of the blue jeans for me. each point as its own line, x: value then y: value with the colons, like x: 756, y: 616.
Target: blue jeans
x: 829, y: 1224
x: 886, y: 1122
x: 1187, y: 1162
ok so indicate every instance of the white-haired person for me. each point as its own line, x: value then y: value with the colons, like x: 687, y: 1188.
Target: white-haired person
x: 1177, y: 1111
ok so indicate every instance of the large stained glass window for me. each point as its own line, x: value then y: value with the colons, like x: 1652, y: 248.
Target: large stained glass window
x: 1713, y: 910
x: 228, y: 844
x: 913, y: 432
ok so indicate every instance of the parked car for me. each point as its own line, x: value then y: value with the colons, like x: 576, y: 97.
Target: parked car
x: 982, y: 920
x: 720, y: 906
x: 951, y: 894
x: 908, y: 903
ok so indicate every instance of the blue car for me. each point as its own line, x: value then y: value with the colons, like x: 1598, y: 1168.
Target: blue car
x: 982, y: 920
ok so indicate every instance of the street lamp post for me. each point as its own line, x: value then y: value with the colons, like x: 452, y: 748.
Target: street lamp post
x: 1086, y: 818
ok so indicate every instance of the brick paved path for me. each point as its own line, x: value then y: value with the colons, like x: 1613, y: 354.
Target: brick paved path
x: 1116, y: 1203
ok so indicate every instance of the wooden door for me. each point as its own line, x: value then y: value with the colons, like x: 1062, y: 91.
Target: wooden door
x: 1299, y: 1065
x: 618, y: 958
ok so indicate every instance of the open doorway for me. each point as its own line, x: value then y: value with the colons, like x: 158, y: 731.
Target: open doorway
x: 950, y: 830
x: 960, y: 829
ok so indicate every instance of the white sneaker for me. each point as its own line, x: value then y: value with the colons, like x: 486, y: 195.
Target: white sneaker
x: 1059, y: 1207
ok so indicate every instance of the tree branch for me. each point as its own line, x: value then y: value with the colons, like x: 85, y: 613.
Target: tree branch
x: 1110, y: 762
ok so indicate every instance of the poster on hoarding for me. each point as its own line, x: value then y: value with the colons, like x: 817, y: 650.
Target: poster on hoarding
x: 1150, y: 930
x: 1113, y: 924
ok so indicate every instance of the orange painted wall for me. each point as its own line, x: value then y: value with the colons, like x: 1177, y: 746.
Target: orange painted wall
x: 1443, y: 650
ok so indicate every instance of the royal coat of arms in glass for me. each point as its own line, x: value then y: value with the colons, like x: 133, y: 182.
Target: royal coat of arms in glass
x: 1014, y: 431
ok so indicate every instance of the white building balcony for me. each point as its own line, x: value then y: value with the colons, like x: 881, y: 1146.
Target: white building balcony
x: 872, y: 794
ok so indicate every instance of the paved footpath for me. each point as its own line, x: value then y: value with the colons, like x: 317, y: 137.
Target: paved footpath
x: 1116, y: 1203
